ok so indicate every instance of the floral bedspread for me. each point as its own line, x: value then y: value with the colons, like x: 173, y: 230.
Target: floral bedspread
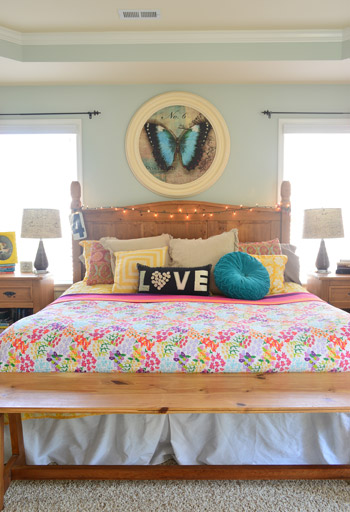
x: 297, y: 333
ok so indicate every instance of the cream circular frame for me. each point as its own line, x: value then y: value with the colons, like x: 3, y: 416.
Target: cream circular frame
x: 222, y: 144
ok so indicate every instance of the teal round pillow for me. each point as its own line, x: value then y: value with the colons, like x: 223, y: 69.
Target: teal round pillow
x: 241, y: 276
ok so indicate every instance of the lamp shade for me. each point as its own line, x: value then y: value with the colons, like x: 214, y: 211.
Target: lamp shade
x: 41, y: 223
x: 323, y: 223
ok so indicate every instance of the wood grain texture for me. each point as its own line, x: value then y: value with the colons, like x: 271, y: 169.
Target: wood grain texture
x: 193, y: 221
x: 175, y: 393
x: 224, y: 472
x: 27, y: 290
x: 333, y: 288
x: 17, y: 443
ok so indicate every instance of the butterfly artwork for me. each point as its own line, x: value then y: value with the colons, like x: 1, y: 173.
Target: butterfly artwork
x: 166, y: 146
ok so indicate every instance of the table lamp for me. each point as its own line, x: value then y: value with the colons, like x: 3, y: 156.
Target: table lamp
x: 323, y: 223
x: 41, y: 223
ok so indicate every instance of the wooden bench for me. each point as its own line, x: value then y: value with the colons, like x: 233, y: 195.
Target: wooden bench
x: 165, y: 394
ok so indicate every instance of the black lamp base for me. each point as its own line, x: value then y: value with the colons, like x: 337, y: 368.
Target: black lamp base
x: 322, y: 261
x: 41, y: 263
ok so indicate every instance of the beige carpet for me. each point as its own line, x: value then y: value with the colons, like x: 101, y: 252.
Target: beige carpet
x: 191, y: 496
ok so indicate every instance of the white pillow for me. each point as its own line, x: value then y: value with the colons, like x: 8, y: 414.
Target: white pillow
x: 199, y: 252
x: 135, y: 244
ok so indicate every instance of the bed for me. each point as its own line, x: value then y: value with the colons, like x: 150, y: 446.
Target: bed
x: 190, y: 438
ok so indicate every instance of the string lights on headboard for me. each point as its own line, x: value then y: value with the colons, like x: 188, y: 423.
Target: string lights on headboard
x: 188, y: 214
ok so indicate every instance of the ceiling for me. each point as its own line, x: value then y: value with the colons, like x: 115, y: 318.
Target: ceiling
x: 102, y: 15
x: 227, y: 41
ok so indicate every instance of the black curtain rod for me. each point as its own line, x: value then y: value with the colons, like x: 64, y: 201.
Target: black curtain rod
x: 90, y: 114
x: 269, y: 113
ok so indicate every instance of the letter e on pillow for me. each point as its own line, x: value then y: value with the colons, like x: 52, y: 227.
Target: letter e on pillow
x: 201, y: 280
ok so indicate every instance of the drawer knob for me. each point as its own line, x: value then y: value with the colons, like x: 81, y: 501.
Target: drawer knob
x: 10, y: 294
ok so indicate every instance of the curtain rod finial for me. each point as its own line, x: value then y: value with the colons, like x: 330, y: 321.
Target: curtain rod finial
x: 267, y: 113
x: 94, y: 113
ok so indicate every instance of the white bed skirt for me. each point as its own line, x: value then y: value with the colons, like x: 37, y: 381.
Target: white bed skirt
x: 189, y: 439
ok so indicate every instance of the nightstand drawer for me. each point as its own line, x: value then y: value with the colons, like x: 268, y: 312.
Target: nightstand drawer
x: 339, y: 294
x: 15, y: 293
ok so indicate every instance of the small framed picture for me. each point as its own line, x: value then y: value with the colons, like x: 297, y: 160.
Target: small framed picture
x: 8, y: 249
x: 26, y: 267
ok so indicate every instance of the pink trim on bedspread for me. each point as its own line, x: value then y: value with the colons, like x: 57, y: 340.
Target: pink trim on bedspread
x: 286, y: 298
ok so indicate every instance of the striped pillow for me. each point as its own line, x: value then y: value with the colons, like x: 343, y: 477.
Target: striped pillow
x: 126, y: 275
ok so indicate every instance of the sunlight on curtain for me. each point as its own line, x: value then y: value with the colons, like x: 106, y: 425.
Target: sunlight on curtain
x: 36, y: 171
x: 318, y: 167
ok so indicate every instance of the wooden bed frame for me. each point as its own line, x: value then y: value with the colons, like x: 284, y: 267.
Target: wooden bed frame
x: 170, y: 393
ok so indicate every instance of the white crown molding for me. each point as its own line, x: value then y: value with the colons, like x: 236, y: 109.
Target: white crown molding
x: 10, y: 36
x: 174, y: 37
x: 346, y: 34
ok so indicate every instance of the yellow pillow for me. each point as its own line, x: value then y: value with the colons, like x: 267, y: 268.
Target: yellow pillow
x: 126, y: 275
x: 86, y: 245
x: 275, y: 267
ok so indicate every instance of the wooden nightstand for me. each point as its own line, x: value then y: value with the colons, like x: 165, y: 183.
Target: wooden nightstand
x: 26, y: 291
x: 333, y: 288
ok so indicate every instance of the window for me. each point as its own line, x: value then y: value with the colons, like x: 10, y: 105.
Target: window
x: 39, y: 159
x: 315, y: 158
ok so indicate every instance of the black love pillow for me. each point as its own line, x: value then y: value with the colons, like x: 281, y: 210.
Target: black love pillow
x: 174, y: 281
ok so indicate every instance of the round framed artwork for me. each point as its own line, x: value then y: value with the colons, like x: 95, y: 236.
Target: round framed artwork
x: 177, y: 144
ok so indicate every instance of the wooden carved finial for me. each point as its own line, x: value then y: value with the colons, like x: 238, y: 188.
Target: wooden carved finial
x: 285, y: 194
x: 75, y: 190
x: 285, y: 212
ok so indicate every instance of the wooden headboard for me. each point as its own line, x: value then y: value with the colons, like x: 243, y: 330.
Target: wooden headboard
x: 182, y: 219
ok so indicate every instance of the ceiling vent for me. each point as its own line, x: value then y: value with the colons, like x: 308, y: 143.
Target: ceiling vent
x: 135, y: 14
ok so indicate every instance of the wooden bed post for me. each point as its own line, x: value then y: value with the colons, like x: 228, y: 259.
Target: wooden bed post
x: 285, y: 212
x: 75, y: 190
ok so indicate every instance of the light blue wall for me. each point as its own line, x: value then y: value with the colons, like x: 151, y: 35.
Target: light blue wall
x: 251, y: 173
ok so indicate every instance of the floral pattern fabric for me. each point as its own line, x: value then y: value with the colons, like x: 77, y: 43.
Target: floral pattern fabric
x: 261, y: 248
x: 275, y: 266
x: 101, y: 335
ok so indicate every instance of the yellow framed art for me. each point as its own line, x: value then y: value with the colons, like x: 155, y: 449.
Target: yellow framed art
x: 177, y: 144
x: 8, y: 249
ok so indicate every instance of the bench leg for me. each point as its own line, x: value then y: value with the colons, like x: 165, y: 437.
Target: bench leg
x: 18, y: 454
x: 17, y: 442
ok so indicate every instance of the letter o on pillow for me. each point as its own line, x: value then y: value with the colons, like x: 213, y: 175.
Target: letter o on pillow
x: 240, y: 276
